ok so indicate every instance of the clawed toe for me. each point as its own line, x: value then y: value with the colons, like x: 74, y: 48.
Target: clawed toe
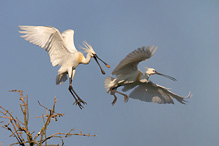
x: 81, y: 101
x: 78, y: 100
x: 77, y: 103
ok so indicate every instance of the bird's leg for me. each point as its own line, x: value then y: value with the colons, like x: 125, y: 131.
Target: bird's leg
x: 79, y: 97
x: 126, y: 98
x: 113, y: 90
x: 115, y: 98
x: 76, y: 100
x: 70, y: 88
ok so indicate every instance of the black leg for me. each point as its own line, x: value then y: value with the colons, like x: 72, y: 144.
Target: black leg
x: 78, y: 97
x: 78, y: 100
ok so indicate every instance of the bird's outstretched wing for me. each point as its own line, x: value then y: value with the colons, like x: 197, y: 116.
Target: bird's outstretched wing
x: 151, y: 92
x: 50, y: 39
x: 68, y: 37
x: 130, y: 62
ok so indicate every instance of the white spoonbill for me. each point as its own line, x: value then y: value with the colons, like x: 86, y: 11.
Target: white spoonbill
x: 62, y: 52
x: 129, y: 76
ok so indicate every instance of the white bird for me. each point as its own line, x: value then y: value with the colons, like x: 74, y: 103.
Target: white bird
x: 129, y: 76
x: 62, y: 52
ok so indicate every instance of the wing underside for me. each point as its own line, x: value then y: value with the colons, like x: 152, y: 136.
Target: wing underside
x: 48, y: 38
x: 150, y: 92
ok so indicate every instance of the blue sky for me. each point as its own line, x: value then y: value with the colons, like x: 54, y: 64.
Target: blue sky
x: 187, y: 35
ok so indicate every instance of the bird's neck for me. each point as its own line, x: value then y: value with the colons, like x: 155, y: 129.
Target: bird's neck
x: 141, y: 77
x: 146, y: 76
x: 87, y: 59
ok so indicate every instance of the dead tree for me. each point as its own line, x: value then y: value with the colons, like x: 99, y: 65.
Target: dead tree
x: 19, y: 129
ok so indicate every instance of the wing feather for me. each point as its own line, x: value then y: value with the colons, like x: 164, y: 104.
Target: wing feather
x: 151, y: 92
x: 129, y: 86
x: 68, y: 37
x: 131, y: 61
x: 48, y: 38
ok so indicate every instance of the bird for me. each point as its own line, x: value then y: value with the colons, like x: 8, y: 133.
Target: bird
x: 62, y: 52
x: 130, y: 77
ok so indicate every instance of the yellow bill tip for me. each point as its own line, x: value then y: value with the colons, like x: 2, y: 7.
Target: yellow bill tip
x: 107, y: 66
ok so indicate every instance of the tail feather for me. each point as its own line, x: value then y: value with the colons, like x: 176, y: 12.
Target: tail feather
x: 108, y: 83
x: 61, y: 78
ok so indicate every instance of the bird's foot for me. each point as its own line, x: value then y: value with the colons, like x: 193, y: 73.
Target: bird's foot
x: 114, y: 100
x: 81, y: 101
x: 77, y: 103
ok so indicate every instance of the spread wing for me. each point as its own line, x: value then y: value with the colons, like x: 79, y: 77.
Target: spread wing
x: 68, y: 38
x: 151, y: 92
x: 131, y: 61
x: 50, y: 39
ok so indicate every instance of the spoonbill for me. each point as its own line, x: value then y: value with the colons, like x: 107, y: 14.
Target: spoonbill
x: 129, y: 76
x: 62, y: 52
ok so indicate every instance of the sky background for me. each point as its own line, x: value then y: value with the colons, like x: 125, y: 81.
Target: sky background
x: 187, y: 35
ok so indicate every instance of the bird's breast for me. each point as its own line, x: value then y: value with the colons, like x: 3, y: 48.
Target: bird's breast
x: 80, y: 57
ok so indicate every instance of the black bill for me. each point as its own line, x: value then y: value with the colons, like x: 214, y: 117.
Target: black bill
x: 96, y: 57
x: 172, y: 78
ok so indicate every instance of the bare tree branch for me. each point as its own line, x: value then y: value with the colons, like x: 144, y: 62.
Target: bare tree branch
x: 17, y: 128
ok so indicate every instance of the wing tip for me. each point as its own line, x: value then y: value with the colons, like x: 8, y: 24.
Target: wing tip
x: 183, y: 99
x: 23, y: 26
x: 152, y: 49
x: 189, y: 95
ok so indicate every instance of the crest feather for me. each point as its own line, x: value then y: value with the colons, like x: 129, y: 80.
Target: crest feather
x: 87, y: 48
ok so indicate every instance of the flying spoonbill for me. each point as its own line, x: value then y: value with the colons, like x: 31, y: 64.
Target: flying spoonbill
x: 129, y: 76
x: 62, y: 52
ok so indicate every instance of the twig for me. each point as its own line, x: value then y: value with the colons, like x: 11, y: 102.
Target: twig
x: 14, y: 125
x: 62, y: 135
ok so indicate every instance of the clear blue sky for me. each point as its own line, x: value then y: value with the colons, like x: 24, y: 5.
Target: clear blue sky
x: 187, y: 35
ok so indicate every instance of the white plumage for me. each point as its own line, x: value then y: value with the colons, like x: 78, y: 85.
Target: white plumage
x: 151, y: 92
x: 62, y: 52
x: 50, y: 39
x: 130, y: 77
x: 130, y: 62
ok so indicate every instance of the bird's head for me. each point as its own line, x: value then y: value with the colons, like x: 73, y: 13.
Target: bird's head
x: 152, y: 71
x: 90, y: 51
